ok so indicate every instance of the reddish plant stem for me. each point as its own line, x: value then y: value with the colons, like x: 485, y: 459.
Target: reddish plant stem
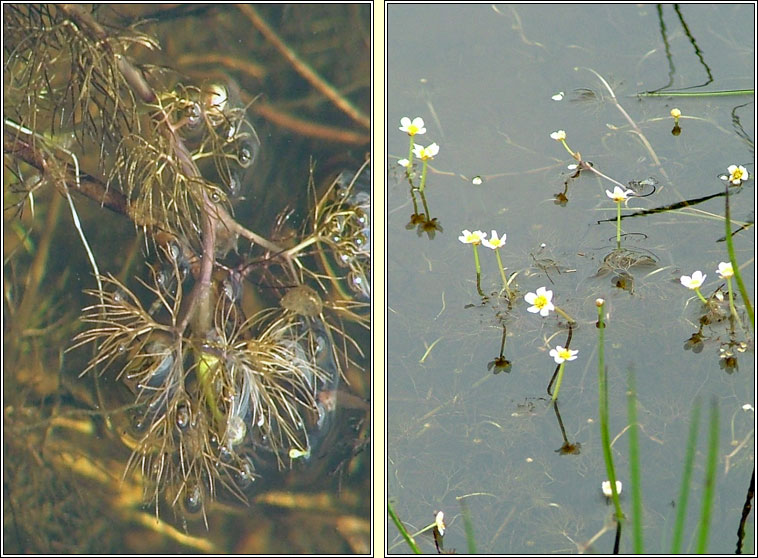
x: 198, y: 297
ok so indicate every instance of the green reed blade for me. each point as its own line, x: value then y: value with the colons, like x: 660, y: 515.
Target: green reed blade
x: 733, y: 259
x: 605, y: 435
x: 469, y: 527
x: 634, y: 468
x: 402, y: 529
x: 710, y: 480
x: 684, y: 490
x: 723, y: 93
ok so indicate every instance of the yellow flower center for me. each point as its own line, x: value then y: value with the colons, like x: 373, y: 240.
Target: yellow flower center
x: 737, y: 174
x: 565, y: 354
x: 412, y: 130
x: 540, y: 302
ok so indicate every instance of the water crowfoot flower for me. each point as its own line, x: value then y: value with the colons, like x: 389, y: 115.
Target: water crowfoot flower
x: 495, y: 243
x: 561, y: 355
x: 560, y: 136
x: 618, y: 195
x: 541, y: 302
x: 411, y: 127
x: 439, y: 522
x: 608, y: 491
x: 694, y: 282
x: 425, y: 154
x: 737, y: 175
x: 725, y: 270
x: 474, y: 238
x: 439, y: 531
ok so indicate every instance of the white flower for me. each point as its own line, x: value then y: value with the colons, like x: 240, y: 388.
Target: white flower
x: 475, y: 237
x: 404, y: 163
x: 560, y: 135
x: 599, y: 302
x: 412, y: 127
x: 676, y: 113
x: 425, y: 153
x: 693, y: 282
x: 606, y: 486
x: 737, y: 174
x: 558, y: 96
x: 494, y: 242
x: 725, y: 270
x: 540, y: 301
x: 618, y: 195
x: 561, y: 354
x: 439, y: 521
x: 477, y: 180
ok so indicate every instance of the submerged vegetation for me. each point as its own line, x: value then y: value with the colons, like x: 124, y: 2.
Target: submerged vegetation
x: 224, y: 312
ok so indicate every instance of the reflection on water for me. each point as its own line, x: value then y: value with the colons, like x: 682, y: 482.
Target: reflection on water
x: 199, y: 405
x: 459, y: 429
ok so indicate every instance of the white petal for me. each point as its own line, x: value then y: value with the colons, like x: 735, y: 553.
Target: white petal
x: 542, y: 291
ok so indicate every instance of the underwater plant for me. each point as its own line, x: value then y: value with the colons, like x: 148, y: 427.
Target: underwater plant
x: 204, y: 366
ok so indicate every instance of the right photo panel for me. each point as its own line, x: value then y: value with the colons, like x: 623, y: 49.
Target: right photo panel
x: 570, y: 278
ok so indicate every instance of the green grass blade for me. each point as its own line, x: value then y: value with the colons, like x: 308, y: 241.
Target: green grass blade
x: 402, y: 529
x: 710, y: 481
x: 605, y: 435
x: 634, y: 469
x: 684, y: 490
x: 723, y: 93
x: 733, y: 260
x: 469, y: 527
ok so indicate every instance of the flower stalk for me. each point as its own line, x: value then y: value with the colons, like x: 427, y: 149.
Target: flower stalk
x: 495, y: 243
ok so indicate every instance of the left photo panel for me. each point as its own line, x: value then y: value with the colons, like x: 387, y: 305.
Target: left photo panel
x: 187, y: 278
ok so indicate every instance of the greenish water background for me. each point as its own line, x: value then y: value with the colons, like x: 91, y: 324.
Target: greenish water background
x: 482, y: 78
